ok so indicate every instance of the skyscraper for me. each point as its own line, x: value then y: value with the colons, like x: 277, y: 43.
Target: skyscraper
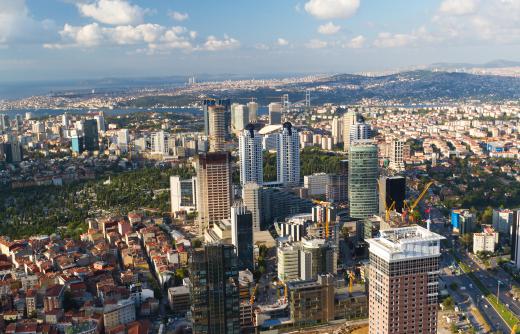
x: 217, y: 128
x: 77, y: 143
x: 391, y: 189
x: 337, y: 130
x: 359, y: 131
x: 515, y: 239
x: 213, y: 188
x: 349, y: 118
x: 183, y: 194
x: 123, y: 138
x: 214, y: 290
x: 404, y: 281
x: 362, y: 179
x: 159, y: 143
x: 398, y: 150
x: 275, y: 113
x: 224, y: 103
x: 288, y: 156
x: 100, y: 120
x: 252, y: 197
x: 4, y: 122
x: 242, y: 235
x: 253, y: 111
x: 91, y: 135
x: 250, y: 153
x: 239, y: 117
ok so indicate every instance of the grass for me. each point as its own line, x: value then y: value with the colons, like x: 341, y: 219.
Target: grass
x: 509, y: 317
x: 481, y: 319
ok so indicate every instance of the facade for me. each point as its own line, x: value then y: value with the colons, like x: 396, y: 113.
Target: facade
x: 391, y: 189
x: 214, y: 290
x: 123, y: 140
x: 251, y: 159
x: 183, y: 194
x: 485, y: 241
x: 515, y: 239
x: 179, y: 299
x: 239, y: 117
x: 121, y: 313
x: 462, y: 221
x: 349, y: 119
x: 242, y: 235
x: 288, y: 256
x: 224, y: 103
x: 317, y: 257
x: 337, y: 130
x: 362, y: 179
x: 403, y: 281
x: 159, y: 143
x: 398, y: 151
x: 218, y: 128
x: 275, y: 113
x: 502, y: 221
x: 316, y: 183
x: 252, y: 197
x: 288, y: 156
x: 336, y: 190
x: 213, y: 188
x: 91, y: 135
x: 359, y: 131
x: 252, y: 107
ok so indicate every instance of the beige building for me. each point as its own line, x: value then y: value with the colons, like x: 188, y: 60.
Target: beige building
x: 349, y: 119
x: 121, y: 313
x: 217, y: 128
x: 213, y: 188
x: 288, y: 262
x: 251, y: 194
x: 404, y: 281
x: 485, y: 241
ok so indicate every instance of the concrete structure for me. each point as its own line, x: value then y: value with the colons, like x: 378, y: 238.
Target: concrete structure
x: 275, y: 113
x: 462, y: 221
x: 123, y: 140
x: 398, y: 150
x: 213, y: 188
x: 179, y: 299
x: 242, y: 235
x: 252, y: 107
x: 218, y: 128
x: 391, y: 189
x: 485, y: 241
x: 183, y: 194
x: 317, y: 257
x: 288, y: 156
x: 159, y: 143
x: 123, y: 312
x: 362, y: 179
x: 359, y: 131
x: 288, y: 255
x: 349, y: 118
x: 316, y: 183
x: 502, y: 221
x: 252, y: 198
x: 403, y: 281
x: 337, y: 130
x: 239, y: 117
x: 251, y: 159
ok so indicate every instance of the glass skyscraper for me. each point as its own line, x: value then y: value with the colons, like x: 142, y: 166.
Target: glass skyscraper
x: 362, y: 179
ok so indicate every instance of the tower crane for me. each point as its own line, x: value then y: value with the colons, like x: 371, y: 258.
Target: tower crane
x: 409, y: 209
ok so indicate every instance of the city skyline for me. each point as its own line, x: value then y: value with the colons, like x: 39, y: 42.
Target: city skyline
x: 105, y: 38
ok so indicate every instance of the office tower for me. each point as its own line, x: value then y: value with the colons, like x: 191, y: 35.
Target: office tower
x: 214, y: 290
x: 217, y: 128
x: 502, y: 221
x: 349, y: 118
x: 90, y: 135
x: 252, y: 107
x: 159, y: 143
x: 11, y: 151
x: 397, y: 154
x: 100, y: 120
x: 515, y: 239
x: 337, y: 130
x: 275, y: 113
x: 224, y: 103
x: 213, y: 188
x: 288, y: 256
x: 317, y: 256
x: 65, y: 120
x: 38, y: 127
x: 239, y: 117
x: 77, y: 143
x: 4, y: 122
x: 250, y: 153
x: 404, y: 281
x: 288, y: 156
x: 183, y: 194
x: 252, y: 197
x: 316, y: 183
x: 463, y: 221
x: 391, y: 189
x: 123, y: 138
x: 242, y: 235
x: 362, y: 179
x: 359, y: 131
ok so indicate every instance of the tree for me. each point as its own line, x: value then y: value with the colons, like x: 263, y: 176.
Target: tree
x: 448, y: 303
x: 466, y: 240
x: 487, y: 216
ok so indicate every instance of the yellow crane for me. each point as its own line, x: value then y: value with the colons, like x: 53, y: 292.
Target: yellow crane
x: 253, y: 295
x: 327, y: 218
x: 410, y: 208
x: 514, y: 329
x: 351, y: 278
x: 388, y: 209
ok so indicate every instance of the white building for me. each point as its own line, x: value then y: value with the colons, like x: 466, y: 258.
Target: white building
x: 183, y: 194
x: 349, y: 118
x: 239, y: 117
x: 123, y: 138
x: 159, y: 143
x: 288, y: 156
x: 502, y: 220
x: 250, y: 153
x: 396, y: 156
x: 288, y: 262
x: 485, y: 241
x: 359, y: 131
x: 316, y: 183
x: 100, y: 120
x: 275, y: 113
x: 337, y: 130
x: 253, y: 111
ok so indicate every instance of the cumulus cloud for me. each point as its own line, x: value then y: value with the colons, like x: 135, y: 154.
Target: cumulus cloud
x: 328, y: 28
x: 282, y: 42
x: 458, y: 7
x: 17, y: 25
x: 332, y: 9
x: 114, y: 12
x: 356, y: 43
x: 178, y: 16
x: 316, y: 44
x: 214, y: 44
x: 389, y: 40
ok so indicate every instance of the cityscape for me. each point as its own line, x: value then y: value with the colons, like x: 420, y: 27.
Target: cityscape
x: 166, y: 178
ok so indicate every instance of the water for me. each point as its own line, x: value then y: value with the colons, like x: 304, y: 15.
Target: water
x: 37, y: 113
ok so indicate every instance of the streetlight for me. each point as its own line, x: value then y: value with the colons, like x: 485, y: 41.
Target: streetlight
x: 498, y: 290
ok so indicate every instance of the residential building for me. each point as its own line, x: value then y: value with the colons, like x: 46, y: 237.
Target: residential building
x: 120, y: 313
x: 485, y: 241
x: 288, y: 256
x: 288, y: 156
x: 239, y: 117
x: 251, y: 158
x: 349, y: 119
x: 252, y: 107
x: 502, y: 220
x: 399, y: 150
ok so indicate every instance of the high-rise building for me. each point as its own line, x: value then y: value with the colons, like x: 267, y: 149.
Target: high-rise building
x: 183, y: 194
x: 239, y: 117
x: 159, y: 143
x: 252, y: 107
x: 398, y: 150
x: 288, y: 259
x: 391, y: 189
x: 65, y: 120
x: 362, y: 179
x: 217, y: 128
x: 213, y: 188
x: 100, y: 120
x: 502, y: 221
x: 77, y: 143
x: 275, y: 113
x: 214, y: 290
x: 242, y: 235
x: 515, y: 239
x: 317, y: 256
x: 288, y: 156
x: 250, y: 153
x: 224, y: 103
x: 404, y: 281
x: 123, y: 139
x: 359, y: 131
x: 349, y: 118
x: 11, y: 151
x: 337, y: 130
x: 4, y: 122
x: 252, y: 197
x: 90, y: 135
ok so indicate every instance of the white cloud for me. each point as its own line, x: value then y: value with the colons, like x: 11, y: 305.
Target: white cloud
x: 214, y: 44
x: 178, y: 16
x: 458, y: 7
x: 261, y: 46
x: 356, y: 43
x: 114, y: 12
x: 332, y: 9
x: 316, y: 44
x: 17, y: 25
x: 282, y: 42
x: 388, y: 40
x: 328, y: 28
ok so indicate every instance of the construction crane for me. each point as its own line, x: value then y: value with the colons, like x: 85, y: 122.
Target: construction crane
x: 351, y: 278
x: 327, y: 218
x: 388, y: 209
x: 410, y: 208
x: 514, y: 329
x: 253, y: 295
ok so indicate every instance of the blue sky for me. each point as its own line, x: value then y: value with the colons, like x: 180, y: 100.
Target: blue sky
x: 70, y: 39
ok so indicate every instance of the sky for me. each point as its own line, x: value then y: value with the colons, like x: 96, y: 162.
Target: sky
x: 75, y: 39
